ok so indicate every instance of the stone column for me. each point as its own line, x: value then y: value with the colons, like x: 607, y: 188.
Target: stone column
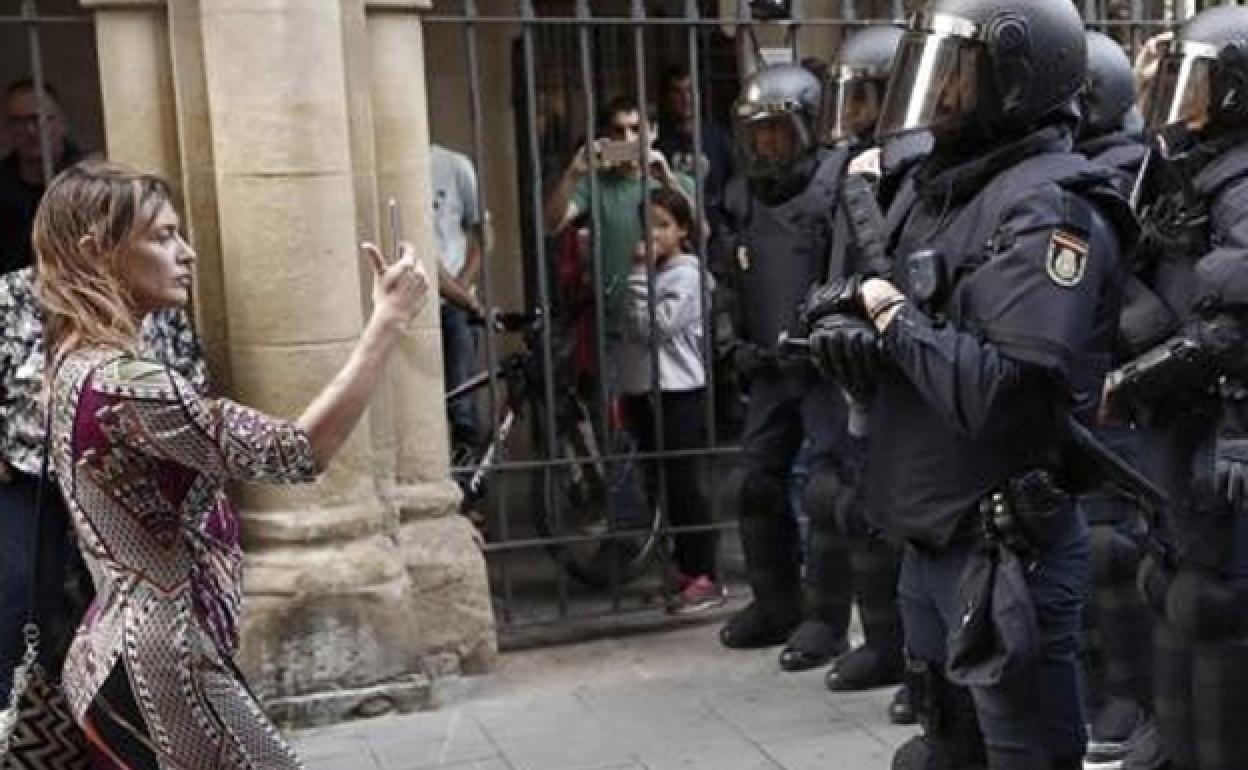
x: 450, y: 599
x: 136, y: 85
x: 327, y: 631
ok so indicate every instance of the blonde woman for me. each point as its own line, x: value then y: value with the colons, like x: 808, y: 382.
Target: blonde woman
x: 143, y: 462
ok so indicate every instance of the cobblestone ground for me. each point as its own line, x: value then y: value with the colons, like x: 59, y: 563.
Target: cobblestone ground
x: 654, y: 702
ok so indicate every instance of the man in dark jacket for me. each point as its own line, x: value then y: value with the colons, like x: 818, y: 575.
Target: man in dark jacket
x: 22, y: 170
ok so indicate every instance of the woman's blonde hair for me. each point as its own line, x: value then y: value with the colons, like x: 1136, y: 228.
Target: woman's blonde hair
x: 90, y: 215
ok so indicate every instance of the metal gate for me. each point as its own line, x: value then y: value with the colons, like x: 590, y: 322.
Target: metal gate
x: 567, y: 59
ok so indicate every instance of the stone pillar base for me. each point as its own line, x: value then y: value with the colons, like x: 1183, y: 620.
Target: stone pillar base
x: 401, y: 696
x: 449, y: 596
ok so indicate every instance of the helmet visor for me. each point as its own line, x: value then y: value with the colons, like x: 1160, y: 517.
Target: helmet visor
x: 932, y: 86
x: 770, y: 141
x: 1182, y: 92
x: 854, y: 103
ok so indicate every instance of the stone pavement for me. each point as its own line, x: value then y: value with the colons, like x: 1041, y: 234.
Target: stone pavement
x: 656, y: 702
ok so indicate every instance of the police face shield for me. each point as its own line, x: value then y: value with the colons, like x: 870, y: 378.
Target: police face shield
x: 771, y: 140
x: 853, y: 107
x: 1182, y: 93
x: 933, y: 83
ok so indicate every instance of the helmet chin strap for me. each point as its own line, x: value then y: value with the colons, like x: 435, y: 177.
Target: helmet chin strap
x: 779, y: 188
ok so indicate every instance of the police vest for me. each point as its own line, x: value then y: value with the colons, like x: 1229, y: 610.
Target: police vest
x: 977, y: 232
x: 781, y: 250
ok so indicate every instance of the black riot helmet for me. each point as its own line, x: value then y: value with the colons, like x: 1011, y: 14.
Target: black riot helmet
x: 1202, y: 79
x: 1110, y: 91
x: 776, y: 121
x: 859, y: 78
x: 997, y: 66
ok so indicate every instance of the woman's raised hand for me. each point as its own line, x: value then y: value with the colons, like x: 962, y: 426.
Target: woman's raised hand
x: 401, y: 289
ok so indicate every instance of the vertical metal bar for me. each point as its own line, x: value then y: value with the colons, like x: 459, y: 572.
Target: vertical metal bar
x: 848, y: 11
x: 699, y: 215
x: 899, y: 10
x: 528, y: 22
x: 700, y: 237
x: 639, y: 54
x: 42, y: 108
x: 1138, y: 33
x: 473, y: 62
x: 601, y: 418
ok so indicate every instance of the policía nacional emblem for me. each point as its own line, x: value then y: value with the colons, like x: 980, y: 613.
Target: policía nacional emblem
x: 1067, y: 259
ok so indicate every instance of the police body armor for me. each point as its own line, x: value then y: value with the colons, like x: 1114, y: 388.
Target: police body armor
x: 781, y: 250
x: 967, y: 241
x: 1184, y: 430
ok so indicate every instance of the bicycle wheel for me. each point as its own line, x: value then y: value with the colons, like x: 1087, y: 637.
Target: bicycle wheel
x: 593, y: 498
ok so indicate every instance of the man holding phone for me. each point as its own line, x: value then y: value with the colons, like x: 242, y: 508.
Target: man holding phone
x: 457, y: 233
x: 615, y: 161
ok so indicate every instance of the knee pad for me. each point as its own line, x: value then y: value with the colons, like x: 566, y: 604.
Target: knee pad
x: 1204, y: 607
x: 832, y: 501
x: 1115, y: 557
x: 760, y: 495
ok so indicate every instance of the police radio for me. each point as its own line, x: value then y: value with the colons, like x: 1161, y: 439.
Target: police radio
x: 925, y: 279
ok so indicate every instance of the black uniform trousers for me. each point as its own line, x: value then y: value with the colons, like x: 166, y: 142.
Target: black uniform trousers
x: 1117, y: 625
x: 1026, y: 717
x: 785, y: 408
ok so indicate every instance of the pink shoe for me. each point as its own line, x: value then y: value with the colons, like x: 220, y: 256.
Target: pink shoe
x: 699, y: 595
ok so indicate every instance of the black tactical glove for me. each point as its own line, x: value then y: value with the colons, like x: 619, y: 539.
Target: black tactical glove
x: 1230, y: 472
x: 1223, y: 341
x: 749, y: 359
x: 840, y: 296
x: 846, y: 348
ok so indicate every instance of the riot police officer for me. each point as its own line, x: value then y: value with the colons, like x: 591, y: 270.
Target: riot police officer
x: 859, y: 77
x: 1110, y: 134
x: 1117, y: 650
x: 1190, y: 395
x: 1006, y: 249
x: 772, y: 242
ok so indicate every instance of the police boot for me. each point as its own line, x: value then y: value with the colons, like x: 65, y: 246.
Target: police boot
x: 864, y: 668
x: 813, y: 644
x: 770, y: 541
x: 918, y: 753
x: 901, y: 710
x: 1110, y: 733
x: 951, y: 738
x: 879, y: 661
x: 753, y: 628
x: 828, y: 590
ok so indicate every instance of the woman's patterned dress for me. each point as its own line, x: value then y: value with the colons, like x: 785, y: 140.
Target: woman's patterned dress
x: 143, y: 462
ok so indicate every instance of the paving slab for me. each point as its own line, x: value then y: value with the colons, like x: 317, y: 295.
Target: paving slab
x: 666, y: 701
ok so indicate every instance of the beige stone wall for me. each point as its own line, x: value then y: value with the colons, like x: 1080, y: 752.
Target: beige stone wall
x: 285, y: 123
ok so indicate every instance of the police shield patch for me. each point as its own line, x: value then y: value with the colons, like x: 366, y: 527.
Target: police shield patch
x: 1067, y: 259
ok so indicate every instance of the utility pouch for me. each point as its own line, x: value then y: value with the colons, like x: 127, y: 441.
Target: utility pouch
x: 1041, y: 508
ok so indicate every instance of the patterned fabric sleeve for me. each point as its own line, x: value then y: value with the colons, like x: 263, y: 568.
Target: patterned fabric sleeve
x: 157, y: 411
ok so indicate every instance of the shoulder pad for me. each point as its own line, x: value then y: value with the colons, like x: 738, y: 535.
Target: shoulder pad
x: 1222, y: 171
